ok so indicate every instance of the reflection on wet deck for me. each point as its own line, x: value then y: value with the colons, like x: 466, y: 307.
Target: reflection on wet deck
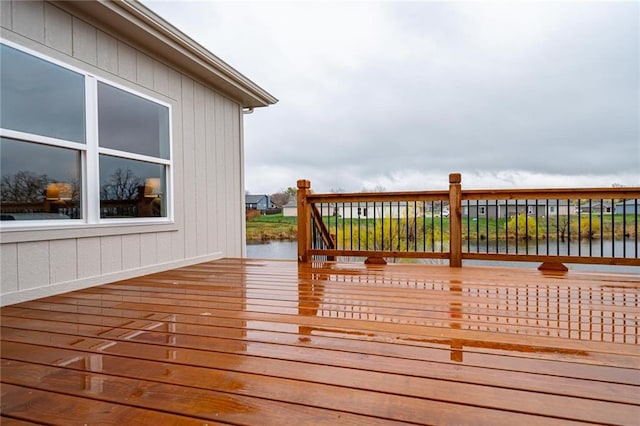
x: 268, y: 342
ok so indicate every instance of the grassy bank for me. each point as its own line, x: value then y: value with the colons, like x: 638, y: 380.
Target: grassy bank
x: 278, y: 227
x: 272, y: 227
x: 398, y: 234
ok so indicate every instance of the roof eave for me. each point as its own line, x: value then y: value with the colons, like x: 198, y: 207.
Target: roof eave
x: 139, y: 23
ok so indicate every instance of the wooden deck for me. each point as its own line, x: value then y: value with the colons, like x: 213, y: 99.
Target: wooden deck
x: 271, y: 342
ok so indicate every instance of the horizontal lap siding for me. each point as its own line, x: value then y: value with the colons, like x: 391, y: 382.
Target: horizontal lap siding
x: 206, y: 154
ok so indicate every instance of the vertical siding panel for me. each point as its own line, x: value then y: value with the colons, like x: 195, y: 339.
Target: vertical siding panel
x: 6, y: 14
x: 229, y: 187
x: 212, y: 214
x: 175, y: 92
x: 221, y: 175
x: 89, y: 254
x: 189, y: 165
x: 175, y: 83
x: 85, y: 42
x: 63, y: 262
x: 58, y: 29
x: 107, y: 53
x: 238, y: 189
x: 200, y: 188
x: 130, y: 251
x: 28, y: 19
x: 144, y: 70
x: 127, y: 62
x: 148, y: 249
x: 164, y: 246
x: 111, y: 253
x: 160, y: 78
x: 8, y: 267
x: 33, y: 264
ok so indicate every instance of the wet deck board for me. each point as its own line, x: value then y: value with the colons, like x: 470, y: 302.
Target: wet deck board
x: 268, y: 342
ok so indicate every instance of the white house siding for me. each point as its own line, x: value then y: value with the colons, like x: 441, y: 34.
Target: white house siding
x: 207, y: 167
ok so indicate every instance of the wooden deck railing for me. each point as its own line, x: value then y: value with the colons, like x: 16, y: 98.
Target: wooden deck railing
x: 553, y: 226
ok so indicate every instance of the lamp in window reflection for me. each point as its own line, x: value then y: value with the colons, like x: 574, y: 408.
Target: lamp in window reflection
x: 152, y: 188
x: 57, y: 191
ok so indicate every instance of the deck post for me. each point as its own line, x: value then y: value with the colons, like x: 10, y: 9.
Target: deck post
x: 455, y: 220
x: 304, y: 220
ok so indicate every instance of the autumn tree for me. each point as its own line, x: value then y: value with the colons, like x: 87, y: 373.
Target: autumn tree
x: 524, y: 226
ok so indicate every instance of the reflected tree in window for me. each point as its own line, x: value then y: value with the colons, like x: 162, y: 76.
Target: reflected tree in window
x: 26, y: 195
x: 23, y: 187
x: 123, y: 184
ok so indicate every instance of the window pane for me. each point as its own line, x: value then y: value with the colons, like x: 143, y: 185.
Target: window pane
x: 40, y: 97
x: 127, y: 122
x: 131, y: 188
x: 38, y: 181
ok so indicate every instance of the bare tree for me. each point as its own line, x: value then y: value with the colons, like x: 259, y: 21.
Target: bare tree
x: 561, y: 226
x: 377, y: 188
x: 279, y: 199
x: 284, y: 196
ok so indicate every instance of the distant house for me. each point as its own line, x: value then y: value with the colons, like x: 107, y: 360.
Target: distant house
x: 290, y: 209
x: 370, y: 210
x: 509, y: 208
x: 258, y: 202
x: 627, y: 207
x: 604, y: 207
x: 130, y: 135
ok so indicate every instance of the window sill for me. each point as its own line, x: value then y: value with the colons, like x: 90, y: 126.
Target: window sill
x: 44, y: 232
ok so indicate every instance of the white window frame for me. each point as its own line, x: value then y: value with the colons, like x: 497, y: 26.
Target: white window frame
x: 89, y: 157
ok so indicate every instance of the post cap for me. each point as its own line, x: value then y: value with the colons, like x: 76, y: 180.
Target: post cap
x: 304, y: 184
x: 455, y: 177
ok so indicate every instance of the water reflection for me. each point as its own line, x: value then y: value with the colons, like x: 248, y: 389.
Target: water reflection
x: 455, y: 312
x: 92, y: 363
x: 310, y: 294
x: 463, y: 310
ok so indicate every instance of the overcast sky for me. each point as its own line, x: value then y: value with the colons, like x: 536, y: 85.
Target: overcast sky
x: 400, y: 94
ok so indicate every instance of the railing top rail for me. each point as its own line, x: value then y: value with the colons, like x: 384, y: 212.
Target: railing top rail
x: 379, y: 197
x: 550, y: 193
x: 479, y: 194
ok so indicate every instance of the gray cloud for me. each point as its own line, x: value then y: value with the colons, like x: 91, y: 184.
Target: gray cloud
x: 400, y: 94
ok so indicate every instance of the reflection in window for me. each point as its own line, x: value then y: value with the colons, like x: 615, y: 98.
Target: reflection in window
x: 130, y: 123
x: 41, y: 98
x: 131, y: 188
x: 38, y: 182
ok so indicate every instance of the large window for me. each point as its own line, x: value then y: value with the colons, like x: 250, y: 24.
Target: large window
x: 58, y: 125
x: 41, y: 98
x: 130, y: 123
x: 39, y: 181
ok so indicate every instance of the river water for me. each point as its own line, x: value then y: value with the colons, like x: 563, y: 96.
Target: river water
x: 289, y: 250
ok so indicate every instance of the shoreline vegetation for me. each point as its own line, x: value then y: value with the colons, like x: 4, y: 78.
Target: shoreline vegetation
x: 277, y: 227
x: 273, y: 227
